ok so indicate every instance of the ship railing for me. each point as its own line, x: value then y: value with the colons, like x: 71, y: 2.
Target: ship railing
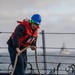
x: 70, y: 69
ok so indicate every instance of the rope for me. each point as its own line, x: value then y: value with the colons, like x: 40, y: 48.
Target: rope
x: 17, y: 59
x: 37, y: 62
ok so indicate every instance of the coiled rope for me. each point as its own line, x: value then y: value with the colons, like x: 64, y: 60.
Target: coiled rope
x: 17, y: 59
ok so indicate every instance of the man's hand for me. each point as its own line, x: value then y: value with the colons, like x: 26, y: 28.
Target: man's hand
x: 18, y: 51
x: 33, y: 47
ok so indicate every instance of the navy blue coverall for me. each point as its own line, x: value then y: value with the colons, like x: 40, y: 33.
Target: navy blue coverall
x: 12, y: 44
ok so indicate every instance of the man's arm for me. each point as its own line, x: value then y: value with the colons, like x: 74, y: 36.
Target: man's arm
x: 19, y: 32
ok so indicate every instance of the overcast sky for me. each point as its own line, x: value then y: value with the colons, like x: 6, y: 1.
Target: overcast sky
x: 57, y: 15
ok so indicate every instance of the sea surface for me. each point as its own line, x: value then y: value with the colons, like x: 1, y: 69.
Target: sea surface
x: 52, y: 59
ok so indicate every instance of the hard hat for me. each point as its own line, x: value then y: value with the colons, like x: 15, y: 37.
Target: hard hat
x: 36, y: 18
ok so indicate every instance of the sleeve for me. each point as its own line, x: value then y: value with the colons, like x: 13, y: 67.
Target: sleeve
x: 19, y: 32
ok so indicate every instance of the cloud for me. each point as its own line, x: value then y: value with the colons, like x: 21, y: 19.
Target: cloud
x: 58, y: 14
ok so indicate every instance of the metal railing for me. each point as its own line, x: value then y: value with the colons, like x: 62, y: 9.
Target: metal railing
x: 70, y: 69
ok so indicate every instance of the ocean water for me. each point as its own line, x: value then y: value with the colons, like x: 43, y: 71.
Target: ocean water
x: 52, y: 60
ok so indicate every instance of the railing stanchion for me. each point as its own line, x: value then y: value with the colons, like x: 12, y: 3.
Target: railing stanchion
x: 44, y: 52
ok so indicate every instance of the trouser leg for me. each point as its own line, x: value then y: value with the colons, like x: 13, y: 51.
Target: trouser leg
x: 21, y: 65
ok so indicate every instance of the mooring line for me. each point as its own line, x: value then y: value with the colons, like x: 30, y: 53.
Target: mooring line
x: 37, y: 62
x: 17, y: 59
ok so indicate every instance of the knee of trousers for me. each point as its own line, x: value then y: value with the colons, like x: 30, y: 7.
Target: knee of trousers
x: 19, y: 72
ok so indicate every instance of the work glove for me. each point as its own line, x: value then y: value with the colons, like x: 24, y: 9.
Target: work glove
x: 33, y: 47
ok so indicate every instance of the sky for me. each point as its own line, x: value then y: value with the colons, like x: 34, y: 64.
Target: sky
x: 57, y: 16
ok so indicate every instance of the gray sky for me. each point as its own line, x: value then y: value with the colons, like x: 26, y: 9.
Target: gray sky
x: 57, y: 15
